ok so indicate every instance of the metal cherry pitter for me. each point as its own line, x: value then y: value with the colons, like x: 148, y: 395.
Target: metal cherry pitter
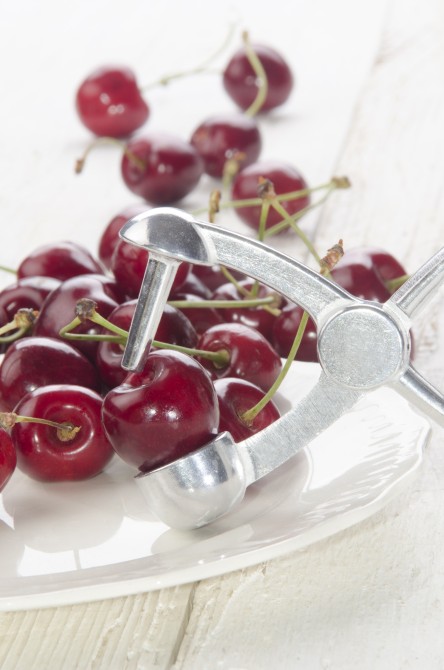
x: 361, y: 345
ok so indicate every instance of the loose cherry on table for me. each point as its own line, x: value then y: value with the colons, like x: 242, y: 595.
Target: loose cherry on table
x: 237, y: 396
x: 284, y: 178
x: 227, y: 142
x: 161, y: 168
x: 60, y: 260
x: 32, y: 362
x: 109, y: 102
x: 47, y: 453
x: 251, y: 356
x: 8, y: 458
x: 241, y: 82
x: 162, y: 413
x: 174, y: 328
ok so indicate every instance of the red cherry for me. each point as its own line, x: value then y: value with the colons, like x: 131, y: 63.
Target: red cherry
x: 241, y: 84
x: 235, y: 397
x: 254, y: 317
x: 212, y: 276
x: 174, y: 328
x: 383, y: 264
x: 8, y: 458
x: 59, y: 307
x: 41, y: 454
x: 285, y: 179
x: 251, y: 356
x: 358, y: 277
x: 161, y: 168
x: 202, y: 318
x: 193, y: 285
x: 226, y: 137
x: 110, y: 236
x: 27, y: 293
x: 284, y: 331
x: 128, y: 264
x: 32, y: 362
x: 61, y: 260
x: 109, y: 102
x: 163, y: 413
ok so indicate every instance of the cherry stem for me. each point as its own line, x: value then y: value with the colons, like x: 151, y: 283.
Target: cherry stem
x: 80, y: 162
x: 199, y: 69
x: 23, y: 320
x: 261, y: 77
x: 65, y: 431
x: 249, y: 416
x: 11, y: 271
x: 393, y: 284
x: 225, y: 304
x: 220, y: 358
x: 290, y: 222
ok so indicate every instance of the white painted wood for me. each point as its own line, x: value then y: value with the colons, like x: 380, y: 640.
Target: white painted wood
x: 369, y: 104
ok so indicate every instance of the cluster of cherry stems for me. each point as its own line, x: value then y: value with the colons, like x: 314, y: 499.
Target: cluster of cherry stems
x: 67, y: 405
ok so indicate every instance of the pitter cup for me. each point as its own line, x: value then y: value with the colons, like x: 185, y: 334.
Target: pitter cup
x: 361, y: 345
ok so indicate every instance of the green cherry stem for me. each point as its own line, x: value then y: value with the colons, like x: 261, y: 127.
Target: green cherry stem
x: 261, y: 77
x: 224, y: 304
x: 290, y: 222
x: 65, y: 431
x: 393, y: 284
x: 249, y: 416
x: 10, y: 271
x: 80, y: 162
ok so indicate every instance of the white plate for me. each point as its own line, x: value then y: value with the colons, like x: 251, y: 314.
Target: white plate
x: 70, y: 543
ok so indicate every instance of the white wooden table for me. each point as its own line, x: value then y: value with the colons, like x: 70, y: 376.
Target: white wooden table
x: 369, y: 103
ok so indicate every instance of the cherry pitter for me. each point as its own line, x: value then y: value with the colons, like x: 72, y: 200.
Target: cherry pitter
x: 362, y: 345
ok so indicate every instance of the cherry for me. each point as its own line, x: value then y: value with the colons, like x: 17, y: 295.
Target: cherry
x: 251, y: 356
x: 8, y: 458
x: 254, y: 317
x: 285, y: 179
x: 59, y: 308
x: 202, y: 318
x: 193, y: 285
x: 235, y: 397
x: 357, y: 275
x: 161, y: 168
x: 61, y: 260
x: 110, y: 236
x: 32, y: 362
x: 27, y: 293
x: 109, y: 103
x: 241, y: 84
x: 212, y: 276
x: 227, y: 138
x: 284, y: 331
x: 128, y: 264
x: 382, y: 263
x: 43, y: 452
x: 162, y: 413
x: 174, y: 328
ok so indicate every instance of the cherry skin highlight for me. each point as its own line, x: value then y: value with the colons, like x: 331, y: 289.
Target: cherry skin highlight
x: 227, y: 138
x: 8, y: 458
x: 161, y: 168
x: 41, y: 453
x: 32, y: 362
x: 109, y: 103
x: 240, y: 80
x: 285, y: 179
x: 236, y: 396
x: 167, y: 411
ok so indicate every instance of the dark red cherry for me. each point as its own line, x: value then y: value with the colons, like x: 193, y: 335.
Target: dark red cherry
x: 254, y: 317
x: 61, y: 260
x: 8, y: 458
x: 227, y: 138
x: 202, y: 318
x: 251, y: 356
x: 163, y: 413
x: 161, y: 168
x: 32, y: 362
x: 193, y: 285
x: 27, y: 293
x: 240, y: 80
x: 213, y: 277
x: 58, y: 310
x: 237, y: 396
x: 284, y: 331
x: 128, y: 264
x: 110, y: 236
x: 109, y: 103
x: 42, y: 454
x: 174, y: 328
x: 358, y: 277
x: 384, y: 264
x: 285, y: 179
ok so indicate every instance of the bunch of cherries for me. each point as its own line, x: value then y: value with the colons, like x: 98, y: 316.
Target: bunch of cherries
x: 67, y: 404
